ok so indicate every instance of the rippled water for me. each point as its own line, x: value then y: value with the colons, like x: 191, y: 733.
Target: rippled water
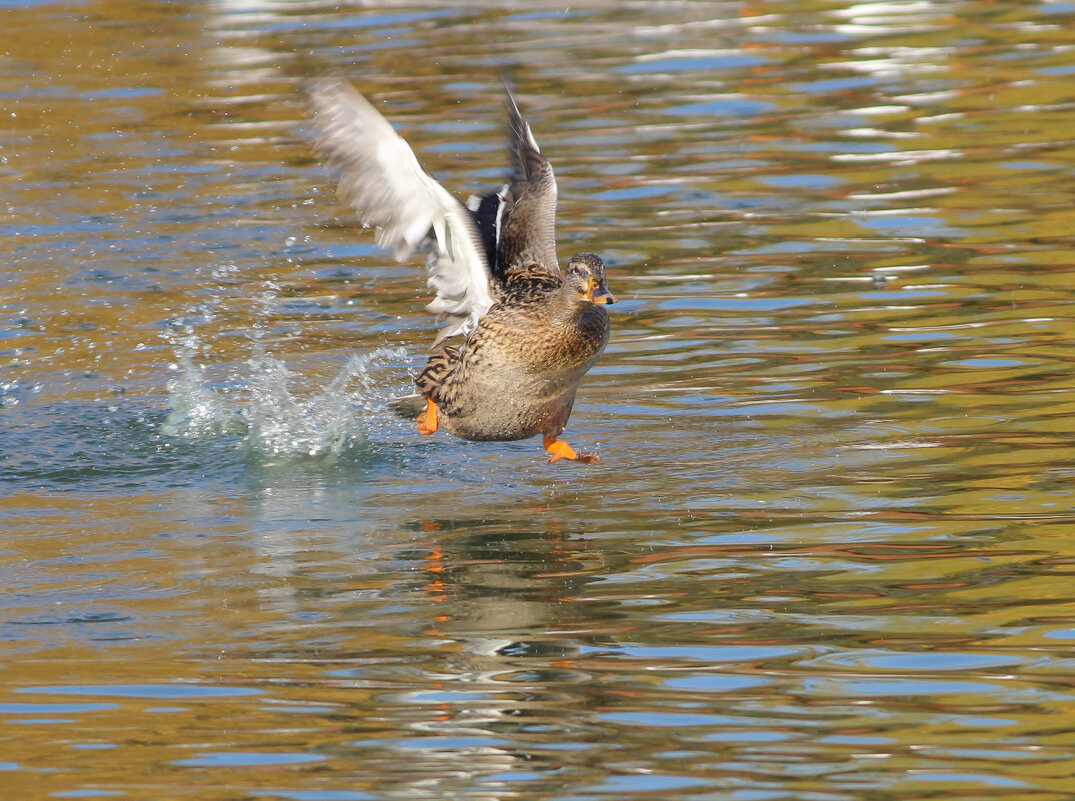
x: 827, y: 553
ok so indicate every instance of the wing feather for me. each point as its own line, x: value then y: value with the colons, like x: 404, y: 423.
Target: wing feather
x: 379, y: 176
x: 528, y: 235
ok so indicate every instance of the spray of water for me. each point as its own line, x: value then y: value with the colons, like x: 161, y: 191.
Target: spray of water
x: 262, y: 407
x: 332, y: 420
x: 260, y: 402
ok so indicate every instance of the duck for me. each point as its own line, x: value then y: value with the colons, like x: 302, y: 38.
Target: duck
x: 525, y: 331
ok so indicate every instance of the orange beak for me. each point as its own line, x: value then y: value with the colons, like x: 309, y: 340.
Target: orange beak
x: 597, y: 293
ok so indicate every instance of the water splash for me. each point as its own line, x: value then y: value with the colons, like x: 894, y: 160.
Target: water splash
x: 333, y: 420
x: 262, y: 407
x: 198, y: 410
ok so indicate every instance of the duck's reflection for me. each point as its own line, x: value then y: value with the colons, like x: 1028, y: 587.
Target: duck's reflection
x: 451, y: 651
x: 505, y: 592
x: 503, y: 605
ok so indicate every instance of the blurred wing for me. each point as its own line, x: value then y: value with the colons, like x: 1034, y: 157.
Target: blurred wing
x: 528, y: 231
x: 379, y: 176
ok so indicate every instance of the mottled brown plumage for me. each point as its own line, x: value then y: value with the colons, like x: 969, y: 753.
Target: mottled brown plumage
x: 517, y: 373
x: 531, y: 332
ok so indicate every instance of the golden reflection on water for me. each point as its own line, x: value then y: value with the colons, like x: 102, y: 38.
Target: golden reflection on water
x: 826, y: 554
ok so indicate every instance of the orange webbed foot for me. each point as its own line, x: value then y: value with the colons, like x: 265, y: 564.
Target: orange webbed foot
x: 558, y: 449
x: 427, y: 420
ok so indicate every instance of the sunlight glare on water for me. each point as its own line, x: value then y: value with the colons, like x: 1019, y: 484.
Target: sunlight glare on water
x: 827, y: 553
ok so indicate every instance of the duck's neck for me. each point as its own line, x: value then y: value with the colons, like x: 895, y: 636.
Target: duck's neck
x: 568, y: 311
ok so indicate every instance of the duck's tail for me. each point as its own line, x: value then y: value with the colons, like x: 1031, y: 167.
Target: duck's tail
x: 409, y: 406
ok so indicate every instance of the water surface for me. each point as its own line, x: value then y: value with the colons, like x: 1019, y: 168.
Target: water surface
x: 827, y: 552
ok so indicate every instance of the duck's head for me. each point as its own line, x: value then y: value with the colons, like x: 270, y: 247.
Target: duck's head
x: 586, y: 277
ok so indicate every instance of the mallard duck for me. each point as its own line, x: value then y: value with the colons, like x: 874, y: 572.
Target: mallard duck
x: 530, y: 332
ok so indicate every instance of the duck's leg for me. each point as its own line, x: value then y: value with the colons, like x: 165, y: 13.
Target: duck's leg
x: 558, y: 449
x: 427, y: 420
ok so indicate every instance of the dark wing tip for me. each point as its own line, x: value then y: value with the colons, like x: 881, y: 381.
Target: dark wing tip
x: 527, y: 160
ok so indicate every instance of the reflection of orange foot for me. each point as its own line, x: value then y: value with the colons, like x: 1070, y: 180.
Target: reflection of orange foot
x: 427, y: 420
x: 557, y: 450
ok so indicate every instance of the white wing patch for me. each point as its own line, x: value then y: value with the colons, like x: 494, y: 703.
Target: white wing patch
x: 380, y: 177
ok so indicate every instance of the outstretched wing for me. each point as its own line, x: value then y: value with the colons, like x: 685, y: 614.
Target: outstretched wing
x: 528, y: 230
x: 379, y: 176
